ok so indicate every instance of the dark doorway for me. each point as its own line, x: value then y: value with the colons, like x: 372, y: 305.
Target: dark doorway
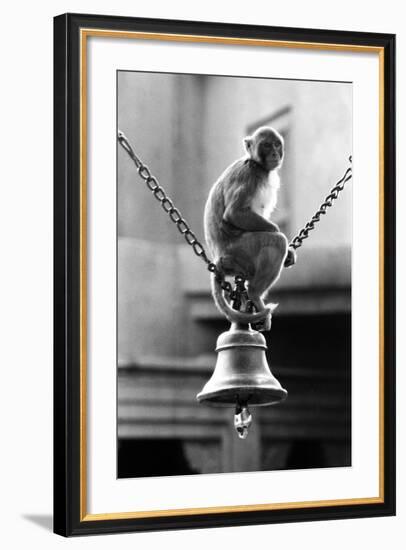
x: 152, y: 457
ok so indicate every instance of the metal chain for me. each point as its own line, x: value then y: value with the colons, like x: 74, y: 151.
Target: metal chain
x: 184, y: 229
x: 303, y: 234
x: 174, y: 214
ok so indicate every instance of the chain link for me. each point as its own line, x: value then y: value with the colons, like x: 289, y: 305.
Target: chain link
x: 174, y: 214
x: 191, y: 239
x: 303, y: 234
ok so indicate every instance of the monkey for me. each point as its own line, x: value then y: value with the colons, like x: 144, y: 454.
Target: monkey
x: 238, y: 231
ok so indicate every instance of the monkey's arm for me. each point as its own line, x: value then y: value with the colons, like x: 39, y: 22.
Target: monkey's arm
x: 238, y: 212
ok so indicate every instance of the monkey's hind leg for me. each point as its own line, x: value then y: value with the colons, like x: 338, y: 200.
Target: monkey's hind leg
x: 270, y: 250
x: 236, y: 262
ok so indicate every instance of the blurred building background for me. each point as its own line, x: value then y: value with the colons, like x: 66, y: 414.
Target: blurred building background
x: 188, y: 129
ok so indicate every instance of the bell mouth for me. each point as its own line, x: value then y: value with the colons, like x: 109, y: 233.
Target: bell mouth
x: 254, y: 396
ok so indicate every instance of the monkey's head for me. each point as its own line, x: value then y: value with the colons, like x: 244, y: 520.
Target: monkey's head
x: 265, y: 147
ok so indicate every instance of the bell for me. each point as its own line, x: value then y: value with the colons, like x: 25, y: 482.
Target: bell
x: 242, y: 376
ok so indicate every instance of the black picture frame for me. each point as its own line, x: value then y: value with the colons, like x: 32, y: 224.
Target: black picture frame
x: 68, y: 515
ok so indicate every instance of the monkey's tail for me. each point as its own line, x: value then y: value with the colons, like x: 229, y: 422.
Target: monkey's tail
x: 233, y: 315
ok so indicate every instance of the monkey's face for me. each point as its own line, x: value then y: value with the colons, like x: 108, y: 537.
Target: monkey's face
x: 270, y: 152
x: 266, y: 147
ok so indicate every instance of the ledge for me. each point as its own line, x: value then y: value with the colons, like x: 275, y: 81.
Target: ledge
x: 204, y: 364
x: 321, y: 267
x: 319, y: 283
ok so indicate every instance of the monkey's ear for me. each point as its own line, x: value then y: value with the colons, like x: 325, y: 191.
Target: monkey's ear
x: 248, y: 143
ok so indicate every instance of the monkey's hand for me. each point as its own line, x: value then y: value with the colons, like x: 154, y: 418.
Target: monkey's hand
x: 290, y: 258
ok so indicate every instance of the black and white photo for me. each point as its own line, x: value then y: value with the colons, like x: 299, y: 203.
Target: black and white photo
x: 187, y: 129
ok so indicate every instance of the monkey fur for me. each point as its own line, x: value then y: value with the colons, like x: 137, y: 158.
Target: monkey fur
x: 239, y: 233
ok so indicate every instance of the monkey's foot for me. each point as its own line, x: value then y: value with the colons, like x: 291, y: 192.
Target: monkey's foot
x: 263, y: 325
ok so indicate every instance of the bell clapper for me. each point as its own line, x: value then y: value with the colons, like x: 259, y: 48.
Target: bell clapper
x: 242, y: 420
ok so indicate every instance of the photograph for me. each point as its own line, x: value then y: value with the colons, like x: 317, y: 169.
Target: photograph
x: 224, y: 266
x: 209, y: 381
